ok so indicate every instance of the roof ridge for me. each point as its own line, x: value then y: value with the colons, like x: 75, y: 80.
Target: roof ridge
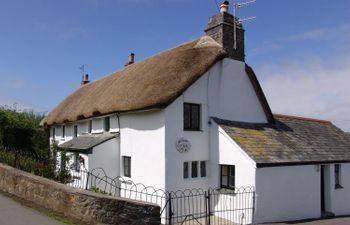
x: 301, y: 118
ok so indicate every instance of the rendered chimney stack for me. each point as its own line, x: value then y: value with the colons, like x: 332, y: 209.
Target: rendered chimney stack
x: 85, y: 79
x: 221, y: 28
x: 224, y: 7
x: 131, y: 59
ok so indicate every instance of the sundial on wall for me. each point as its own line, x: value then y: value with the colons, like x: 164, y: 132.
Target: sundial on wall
x: 183, y: 145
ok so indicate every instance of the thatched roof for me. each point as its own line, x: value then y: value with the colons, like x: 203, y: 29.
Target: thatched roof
x: 152, y: 83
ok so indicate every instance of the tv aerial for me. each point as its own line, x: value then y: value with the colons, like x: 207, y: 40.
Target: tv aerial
x: 237, y: 22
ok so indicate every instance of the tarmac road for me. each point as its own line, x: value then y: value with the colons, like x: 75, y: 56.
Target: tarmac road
x: 333, y: 221
x: 13, y: 213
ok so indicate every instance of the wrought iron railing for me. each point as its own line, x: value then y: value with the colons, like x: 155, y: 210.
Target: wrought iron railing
x: 189, y: 207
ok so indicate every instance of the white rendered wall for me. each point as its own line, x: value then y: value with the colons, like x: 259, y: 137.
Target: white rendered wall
x: 225, y: 92
x: 106, y: 156
x: 340, y: 198
x: 231, y: 94
x: 231, y: 154
x: 287, y: 193
x: 142, y: 138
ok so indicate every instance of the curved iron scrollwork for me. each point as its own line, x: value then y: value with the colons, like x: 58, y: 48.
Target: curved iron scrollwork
x: 189, y: 206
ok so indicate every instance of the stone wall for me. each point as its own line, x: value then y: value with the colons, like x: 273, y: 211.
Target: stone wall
x: 74, y: 203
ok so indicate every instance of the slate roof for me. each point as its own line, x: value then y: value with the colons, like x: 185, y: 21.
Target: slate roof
x: 290, y: 141
x: 87, y: 141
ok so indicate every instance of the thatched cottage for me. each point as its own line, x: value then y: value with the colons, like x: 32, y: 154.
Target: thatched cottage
x: 195, y: 116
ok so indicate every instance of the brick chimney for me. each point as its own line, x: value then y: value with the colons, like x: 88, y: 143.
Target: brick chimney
x: 131, y: 59
x: 221, y: 28
x: 85, y: 79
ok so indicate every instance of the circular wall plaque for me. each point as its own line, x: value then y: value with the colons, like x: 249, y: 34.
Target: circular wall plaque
x: 183, y: 145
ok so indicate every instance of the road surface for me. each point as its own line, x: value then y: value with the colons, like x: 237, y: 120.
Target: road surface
x: 333, y: 221
x: 13, y: 213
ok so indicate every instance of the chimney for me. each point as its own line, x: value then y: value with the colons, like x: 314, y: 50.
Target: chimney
x: 131, y: 59
x: 221, y: 28
x: 85, y: 79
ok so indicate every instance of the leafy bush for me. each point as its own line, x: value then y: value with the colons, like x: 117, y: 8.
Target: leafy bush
x: 22, y: 130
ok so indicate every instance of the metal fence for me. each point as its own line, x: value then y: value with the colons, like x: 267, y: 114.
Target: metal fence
x: 215, y: 206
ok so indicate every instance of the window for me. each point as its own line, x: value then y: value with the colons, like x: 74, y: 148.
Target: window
x: 63, y: 131
x: 194, y: 169
x: 185, y: 170
x: 53, y: 133
x: 227, y: 179
x: 203, y: 169
x: 75, y: 131
x: 191, y: 116
x: 90, y: 127
x: 107, y: 124
x: 337, y: 176
x: 127, y: 166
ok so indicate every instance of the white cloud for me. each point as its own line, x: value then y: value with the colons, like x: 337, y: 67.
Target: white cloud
x: 18, y: 84
x: 310, y: 86
x: 341, y: 31
x: 339, y: 34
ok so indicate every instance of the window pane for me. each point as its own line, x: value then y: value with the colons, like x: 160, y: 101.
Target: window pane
x: 337, y: 175
x: 127, y: 166
x: 53, y: 133
x: 203, y: 169
x: 107, y: 124
x: 90, y: 126
x: 224, y: 181
x: 185, y: 170
x: 63, y: 131
x: 75, y: 131
x: 195, y: 117
x: 224, y: 170
x: 194, y: 169
x: 227, y: 176
x: 187, y: 115
x: 231, y: 181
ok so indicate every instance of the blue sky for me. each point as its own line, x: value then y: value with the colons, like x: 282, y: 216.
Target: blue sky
x: 299, y: 49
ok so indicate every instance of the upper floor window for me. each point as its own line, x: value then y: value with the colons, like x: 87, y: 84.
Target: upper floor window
x: 107, y: 124
x: 191, y: 116
x: 75, y: 131
x: 90, y: 127
x: 227, y: 179
x: 337, y: 176
x: 63, y: 131
x: 53, y: 133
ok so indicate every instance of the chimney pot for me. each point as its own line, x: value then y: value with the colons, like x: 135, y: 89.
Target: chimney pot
x: 131, y: 59
x: 224, y: 6
x: 85, y: 79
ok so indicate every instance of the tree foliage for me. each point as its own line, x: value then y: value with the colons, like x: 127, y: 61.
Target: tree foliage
x: 22, y: 130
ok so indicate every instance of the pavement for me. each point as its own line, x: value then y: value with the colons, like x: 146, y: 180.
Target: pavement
x: 13, y: 213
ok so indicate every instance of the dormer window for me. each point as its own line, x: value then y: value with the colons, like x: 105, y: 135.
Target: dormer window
x: 192, y: 116
x: 107, y: 124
